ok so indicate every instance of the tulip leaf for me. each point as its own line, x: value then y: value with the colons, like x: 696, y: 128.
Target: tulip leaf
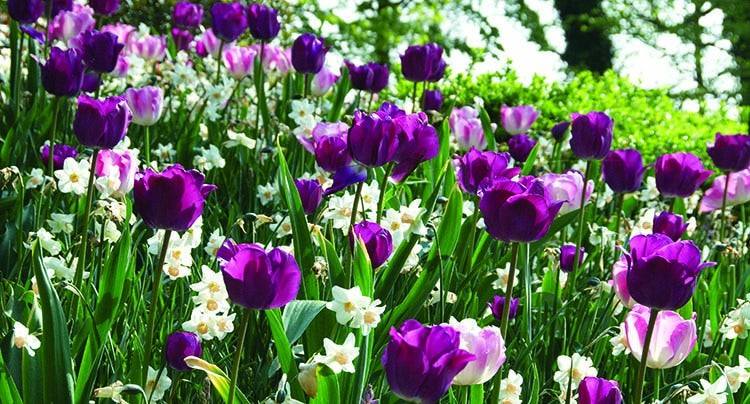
x: 217, y: 377
x: 328, y: 387
x: 362, y: 269
x: 535, y: 385
x: 487, y: 128
x: 342, y: 89
x: 8, y: 391
x: 528, y: 166
x: 283, y: 349
x: 298, y: 315
x: 260, y: 90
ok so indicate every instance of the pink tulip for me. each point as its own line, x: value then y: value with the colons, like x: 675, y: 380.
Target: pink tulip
x: 467, y: 128
x: 68, y: 24
x: 323, y: 81
x: 673, y: 338
x: 519, y: 119
x: 567, y: 188
x: 239, y: 61
x: 122, y: 164
x: 620, y: 282
x: 737, y: 194
x: 151, y: 47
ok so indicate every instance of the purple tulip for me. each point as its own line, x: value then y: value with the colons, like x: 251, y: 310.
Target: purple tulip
x: 208, y: 44
x: 673, y: 338
x: 105, y: 7
x: 517, y: 120
x: 730, y: 153
x: 591, y: 135
x: 432, y: 100
x: 277, y: 61
x: 332, y: 153
x: 310, y: 193
x: 663, y: 273
x: 568, y: 257
x: 25, y: 11
x: 228, y: 20
x: 262, y: 280
x: 476, y: 170
x: 346, y: 176
x: 737, y: 193
x: 59, y: 6
x: 151, y: 47
x: 670, y: 224
x: 595, y: 390
x: 239, y: 61
x: 420, y: 361
x: 373, y: 139
x: 487, y: 346
x: 308, y: 53
x: 62, y: 75
x: 497, y: 304
x: 620, y: 281
x: 623, y: 170
x: 514, y: 212
x: 91, y: 82
x: 679, y: 174
x: 180, y: 345
x: 371, y: 77
x: 376, y: 239
x: 68, y: 24
x: 418, y: 142
x: 121, y: 164
x: 101, y: 123
x: 467, y: 128
x: 568, y: 189
x: 263, y: 21
x: 322, y: 81
x: 228, y: 249
x: 60, y: 153
x: 182, y: 38
x: 520, y: 146
x: 145, y: 103
x: 187, y: 15
x: 423, y: 63
x: 172, y: 199
x: 101, y: 50
x: 559, y: 130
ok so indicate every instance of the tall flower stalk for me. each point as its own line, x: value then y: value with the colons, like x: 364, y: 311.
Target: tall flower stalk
x: 638, y: 390
x: 155, y: 294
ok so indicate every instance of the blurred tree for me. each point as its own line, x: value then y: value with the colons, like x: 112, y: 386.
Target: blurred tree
x: 737, y: 30
x: 588, y: 46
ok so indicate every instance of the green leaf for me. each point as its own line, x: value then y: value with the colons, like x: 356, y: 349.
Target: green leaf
x: 487, y: 129
x: 283, y: 350
x: 476, y: 394
x: 217, y: 377
x: 342, y: 89
x: 8, y: 391
x: 298, y: 315
x: 328, y: 387
x: 362, y: 269
x: 535, y: 385
x: 261, y: 93
x: 529, y: 164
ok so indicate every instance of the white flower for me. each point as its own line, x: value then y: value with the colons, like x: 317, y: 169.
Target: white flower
x: 303, y: 111
x: 339, y: 211
x: 164, y: 152
x: 339, y: 358
x: 510, y: 388
x: 620, y: 342
x: 650, y: 192
x: 107, y: 185
x: 503, y: 275
x: 713, y: 393
x: 221, y: 325
x: 155, y: 389
x: 113, y: 392
x: 192, y: 236
x: 645, y: 223
x: 412, y: 261
x: 61, y: 223
x: 209, y: 159
x: 573, y: 369
x: 436, y: 295
x: 708, y: 337
x: 60, y: 269
x: 266, y: 193
x: 111, y: 232
x: 239, y: 139
x: 211, y: 283
x: 737, y: 375
x: 73, y: 177
x: 210, y: 303
x: 22, y: 339
x: 215, y: 240
x: 36, y: 178
x: 391, y: 221
x: 346, y: 303
x: 368, y: 317
x: 370, y: 195
x: 47, y: 241
x: 200, y: 324
x: 737, y: 322
x: 283, y: 226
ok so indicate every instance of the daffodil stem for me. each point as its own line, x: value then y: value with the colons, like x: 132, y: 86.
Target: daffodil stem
x: 724, y: 208
x: 638, y: 391
x: 238, y: 355
x: 383, y: 186
x: 581, y: 226
x: 155, y: 290
x: 81, y: 265
x: 53, y: 133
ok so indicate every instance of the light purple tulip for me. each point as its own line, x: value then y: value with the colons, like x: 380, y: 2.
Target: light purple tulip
x: 737, y: 194
x: 151, y: 47
x: 620, y: 282
x: 567, y: 188
x: 145, y: 104
x: 68, y: 24
x: 122, y: 67
x: 673, y: 339
x: 519, y: 119
x: 239, y: 61
x: 209, y: 44
x: 126, y: 34
x: 467, y: 128
x: 122, y: 164
x: 277, y: 62
x: 323, y: 81
x: 487, y: 346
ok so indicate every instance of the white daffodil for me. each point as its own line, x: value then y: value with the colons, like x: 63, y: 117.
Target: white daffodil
x: 199, y: 324
x: 73, y: 177
x: 339, y: 211
x: 573, y: 369
x: 510, y: 388
x: 339, y: 358
x: 239, y: 139
x: 60, y: 269
x: 22, y: 339
x: 165, y: 152
x: 208, y: 159
x: 368, y: 317
x: 215, y: 240
x: 221, y: 325
x: 192, y: 236
x: 620, y: 342
x: 210, y: 303
x: 211, y: 283
x: 36, y: 178
x: 370, y: 195
x: 283, y: 226
x: 111, y: 232
x: 107, y: 185
x: 266, y: 193
x: 503, y: 275
x: 113, y: 392
x: 47, y: 241
x: 737, y: 375
x: 302, y: 111
x: 60, y: 222
x: 155, y: 389
x: 713, y: 393
x: 346, y: 303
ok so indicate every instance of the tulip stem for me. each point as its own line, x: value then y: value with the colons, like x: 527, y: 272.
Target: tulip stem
x: 219, y: 61
x: 724, y: 208
x: 81, y: 266
x: 147, y: 140
x: 414, y: 98
x: 618, y: 213
x: 238, y: 355
x: 53, y: 133
x: 581, y: 224
x: 509, y: 290
x: 306, y: 86
x: 383, y: 186
x: 259, y: 90
x: 155, y: 290
x: 638, y: 392
x: 352, y: 221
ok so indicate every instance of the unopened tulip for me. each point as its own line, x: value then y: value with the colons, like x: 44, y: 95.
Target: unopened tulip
x: 121, y: 164
x: 517, y: 120
x: 263, y: 21
x: 417, y: 142
x: 591, y: 135
x: 673, y: 337
x: 239, y: 61
x: 595, y: 390
x: 520, y: 146
x: 308, y: 53
x: 101, y: 123
x: 60, y: 153
x: 730, y: 153
x: 187, y: 15
x: 477, y: 169
x: 467, y: 128
x: 516, y: 213
x: 487, y: 346
x: 567, y: 188
x: 423, y: 63
x: 179, y: 346
x: 670, y: 225
x: 105, y: 7
x: 377, y: 241
x: 432, y: 100
x: 228, y: 20
x: 679, y: 174
x: 310, y: 193
x: 62, y: 74
x: 497, y: 304
x: 373, y: 139
x: 25, y: 11
x: 567, y: 257
x: 623, y: 170
x: 371, y: 77
x: 101, y: 50
x: 145, y: 103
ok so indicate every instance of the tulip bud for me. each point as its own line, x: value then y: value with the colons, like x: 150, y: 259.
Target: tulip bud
x: 263, y: 21
x: 310, y: 193
x: 308, y: 53
x: 591, y: 135
x: 517, y: 120
x: 679, y: 174
x: 228, y: 20
x: 567, y: 257
x: 101, y: 123
x: 187, y: 15
x: 377, y: 240
x: 520, y: 146
x: 180, y: 345
x: 62, y: 74
x: 623, y: 170
x: 595, y: 390
x: 497, y: 304
x: 670, y: 224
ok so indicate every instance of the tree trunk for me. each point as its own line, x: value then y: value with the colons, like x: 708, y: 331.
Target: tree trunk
x: 737, y: 30
x: 588, y: 44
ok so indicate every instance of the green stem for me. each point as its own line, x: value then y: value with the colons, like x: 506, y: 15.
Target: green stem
x: 724, y: 208
x: 261, y: 89
x: 306, y: 87
x: 85, y: 227
x: 638, y: 391
x: 155, y: 290
x: 383, y: 186
x: 581, y: 226
x: 414, y: 98
x: 147, y: 140
x: 238, y: 355
x: 219, y: 61
x: 53, y: 132
x: 352, y: 221
x: 509, y: 290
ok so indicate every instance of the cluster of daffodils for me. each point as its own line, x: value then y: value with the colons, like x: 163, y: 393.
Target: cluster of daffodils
x: 208, y: 159
x: 355, y: 310
x: 510, y: 388
x: 210, y: 317
x: 179, y: 258
x: 303, y: 114
x: 57, y: 265
x: 571, y: 370
x: 737, y: 321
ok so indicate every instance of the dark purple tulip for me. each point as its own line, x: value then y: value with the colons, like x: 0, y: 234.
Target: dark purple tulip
x: 263, y: 21
x: 478, y: 169
x: 514, y: 212
x: 520, y: 146
x: 591, y: 135
x: 61, y: 152
x: 105, y: 7
x: 332, y: 153
x: 228, y: 249
x: 420, y: 361
x: 346, y: 176
x: 61, y: 5
x: 376, y: 239
x: 62, y: 75
x: 180, y: 345
x: 311, y: 193
x: 497, y: 304
x: 308, y: 53
x: 663, y: 273
x: 371, y: 77
x: 423, y: 63
x: 568, y: 257
x: 432, y: 100
x: 670, y: 225
x: 101, y: 123
x: 595, y: 390
x: 25, y: 11
x: 623, y: 170
x: 373, y: 139
x: 730, y: 153
x: 228, y: 20
x: 559, y: 130
x: 257, y: 279
x: 418, y: 142
x: 101, y: 50
x: 182, y: 38
x: 187, y: 15
x: 679, y: 174
x: 91, y: 82
x: 172, y: 199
